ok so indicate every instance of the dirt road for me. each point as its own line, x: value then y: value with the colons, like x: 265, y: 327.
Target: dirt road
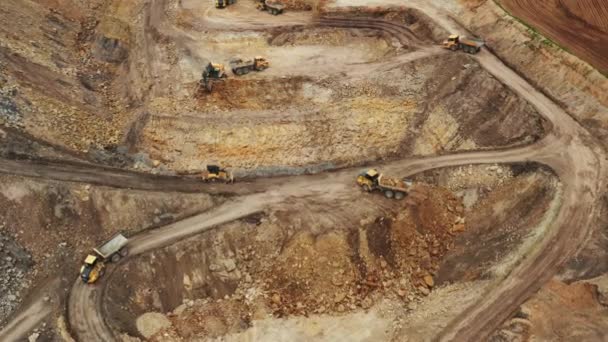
x: 568, y: 149
x: 85, y: 307
x: 580, y: 163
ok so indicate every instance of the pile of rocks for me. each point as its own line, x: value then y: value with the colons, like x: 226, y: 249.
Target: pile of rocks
x: 10, y: 114
x: 14, y: 264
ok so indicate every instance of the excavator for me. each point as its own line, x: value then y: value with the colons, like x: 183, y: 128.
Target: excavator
x: 211, y: 73
x: 216, y: 173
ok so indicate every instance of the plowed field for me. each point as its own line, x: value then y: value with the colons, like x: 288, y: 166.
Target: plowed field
x: 581, y: 26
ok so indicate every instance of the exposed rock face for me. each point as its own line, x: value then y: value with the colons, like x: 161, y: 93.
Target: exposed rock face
x: 110, y: 49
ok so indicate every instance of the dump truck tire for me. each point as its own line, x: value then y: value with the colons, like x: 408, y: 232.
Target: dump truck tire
x: 124, y: 252
x: 454, y: 47
x: 389, y: 194
x: 115, y: 258
x: 366, y: 188
x: 399, y: 195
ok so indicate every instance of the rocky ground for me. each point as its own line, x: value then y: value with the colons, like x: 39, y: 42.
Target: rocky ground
x: 283, y: 271
x: 15, y: 263
x: 48, y: 227
x: 118, y: 111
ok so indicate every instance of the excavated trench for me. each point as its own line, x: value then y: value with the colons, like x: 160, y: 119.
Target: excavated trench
x: 335, y: 95
x: 338, y: 93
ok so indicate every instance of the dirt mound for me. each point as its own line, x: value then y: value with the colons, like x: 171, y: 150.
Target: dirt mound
x: 306, y: 36
x: 288, y: 265
x: 493, y: 228
x: 542, y: 317
x: 585, y: 33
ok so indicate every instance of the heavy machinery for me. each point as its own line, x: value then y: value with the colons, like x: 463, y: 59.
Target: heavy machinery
x: 94, y: 264
x: 240, y: 67
x: 372, y: 180
x: 468, y: 45
x: 212, y: 72
x: 224, y: 3
x: 216, y: 173
x: 272, y: 7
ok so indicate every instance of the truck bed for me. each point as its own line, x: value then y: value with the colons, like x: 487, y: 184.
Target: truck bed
x: 472, y: 42
x: 239, y: 62
x: 393, y: 184
x: 111, y: 246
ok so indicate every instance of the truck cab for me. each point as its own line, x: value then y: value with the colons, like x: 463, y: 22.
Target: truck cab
x: 368, y: 179
x: 92, y: 269
x: 452, y: 42
x: 260, y: 63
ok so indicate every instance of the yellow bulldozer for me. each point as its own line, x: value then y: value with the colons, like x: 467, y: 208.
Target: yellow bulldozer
x: 215, y: 173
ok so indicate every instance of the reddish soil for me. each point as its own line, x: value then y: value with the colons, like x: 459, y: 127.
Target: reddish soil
x: 559, y: 312
x: 581, y: 26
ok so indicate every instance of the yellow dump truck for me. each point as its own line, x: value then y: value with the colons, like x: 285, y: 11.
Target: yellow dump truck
x: 110, y: 251
x: 241, y: 67
x: 372, y: 180
x: 468, y: 45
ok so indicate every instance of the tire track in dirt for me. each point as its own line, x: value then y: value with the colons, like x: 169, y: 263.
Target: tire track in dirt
x: 568, y: 149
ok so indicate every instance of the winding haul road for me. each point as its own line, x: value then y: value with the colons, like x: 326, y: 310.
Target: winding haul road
x: 568, y: 149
